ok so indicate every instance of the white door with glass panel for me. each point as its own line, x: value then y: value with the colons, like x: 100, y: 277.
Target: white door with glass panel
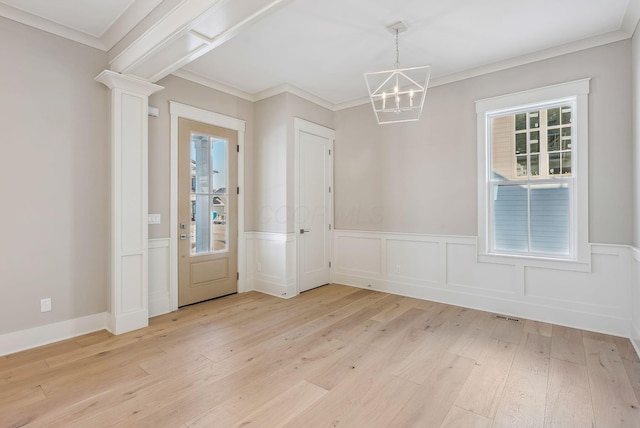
x: 207, y: 212
x: 314, y: 205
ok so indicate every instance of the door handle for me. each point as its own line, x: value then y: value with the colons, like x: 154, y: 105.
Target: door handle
x: 302, y: 231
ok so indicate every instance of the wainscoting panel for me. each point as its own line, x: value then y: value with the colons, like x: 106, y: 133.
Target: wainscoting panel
x: 159, y: 277
x: 271, y: 263
x: 635, y: 300
x: 446, y: 269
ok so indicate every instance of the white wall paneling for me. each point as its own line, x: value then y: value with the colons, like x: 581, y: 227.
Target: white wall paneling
x: 446, y: 269
x: 271, y: 259
x: 159, y: 276
x: 128, y: 309
x: 635, y: 297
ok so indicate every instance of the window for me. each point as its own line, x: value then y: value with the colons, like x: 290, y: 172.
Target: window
x: 532, y: 152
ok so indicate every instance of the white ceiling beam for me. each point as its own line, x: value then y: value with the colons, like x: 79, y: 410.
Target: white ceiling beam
x: 189, y: 30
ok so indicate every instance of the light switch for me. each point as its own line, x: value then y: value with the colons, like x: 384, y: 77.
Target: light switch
x: 154, y: 219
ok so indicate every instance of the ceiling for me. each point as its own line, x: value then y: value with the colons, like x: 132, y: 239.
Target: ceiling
x: 323, y: 47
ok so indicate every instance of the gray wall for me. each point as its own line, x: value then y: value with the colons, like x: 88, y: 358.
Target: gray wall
x: 195, y: 95
x: 274, y: 158
x: 420, y: 177
x: 53, y: 178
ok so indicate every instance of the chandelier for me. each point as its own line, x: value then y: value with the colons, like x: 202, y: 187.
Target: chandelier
x: 398, y: 95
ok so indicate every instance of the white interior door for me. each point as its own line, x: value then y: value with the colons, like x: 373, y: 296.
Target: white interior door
x: 314, y: 210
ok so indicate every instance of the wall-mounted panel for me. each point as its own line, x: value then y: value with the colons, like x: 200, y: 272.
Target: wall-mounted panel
x: 597, y: 288
x: 359, y: 254
x: 413, y: 260
x: 464, y: 270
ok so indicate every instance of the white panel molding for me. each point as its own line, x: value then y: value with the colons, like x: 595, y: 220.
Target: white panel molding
x: 128, y: 306
x: 456, y: 277
x: 38, y: 336
x: 159, y: 276
x: 271, y: 263
x: 635, y: 298
x: 178, y: 110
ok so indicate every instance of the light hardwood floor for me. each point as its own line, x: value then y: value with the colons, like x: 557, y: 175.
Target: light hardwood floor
x: 335, y: 356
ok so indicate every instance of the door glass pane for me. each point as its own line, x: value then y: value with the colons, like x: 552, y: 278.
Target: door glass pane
x: 209, y: 231
x: 510, y: 220
x: 521, y: 121
x: 220, y: 194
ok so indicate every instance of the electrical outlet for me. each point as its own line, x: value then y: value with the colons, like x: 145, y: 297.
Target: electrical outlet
x: 45, y: 305
x: 397, y: 268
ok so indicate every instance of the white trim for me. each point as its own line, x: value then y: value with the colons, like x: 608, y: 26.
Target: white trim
x: 580, y: 207
x: 444, y: 269
x: 159, y: 276
x: 205, y: 81
x: 43, y: 335
x: 178, y: 110
x: 301, y: 125
x: 276, y: 90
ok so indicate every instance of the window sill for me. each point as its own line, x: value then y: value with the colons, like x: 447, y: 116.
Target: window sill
x: 537, y: 262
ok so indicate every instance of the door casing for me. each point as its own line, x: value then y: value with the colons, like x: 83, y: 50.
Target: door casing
x: 178, y: 110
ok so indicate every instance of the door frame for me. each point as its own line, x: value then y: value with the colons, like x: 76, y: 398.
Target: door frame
x: 321, y: 131
x: 178, y: 110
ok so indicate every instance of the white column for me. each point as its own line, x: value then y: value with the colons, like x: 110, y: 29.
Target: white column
x: 128, y: 300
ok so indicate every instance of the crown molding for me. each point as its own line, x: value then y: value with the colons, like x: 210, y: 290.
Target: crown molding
x: 294, y: 90
x: 51, y: 27
x: 209, y: 83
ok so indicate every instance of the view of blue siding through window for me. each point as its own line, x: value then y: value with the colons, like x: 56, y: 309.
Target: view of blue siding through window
x: 549, y: 216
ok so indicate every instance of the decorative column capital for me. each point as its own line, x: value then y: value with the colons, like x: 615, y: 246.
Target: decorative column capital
x: 114, y: 80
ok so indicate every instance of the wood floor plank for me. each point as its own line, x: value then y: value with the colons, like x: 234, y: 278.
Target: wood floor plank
x: 274, y: 413
x: 567, y: 345
x: 534, y: 354
x: 335, y: 354
x: 537, y: 327
x: 614, y: 402
x: 523, y: 402
x: 489, y: 376
x: 431, y: 403
x: 461, y: 418
x: 568, y: 396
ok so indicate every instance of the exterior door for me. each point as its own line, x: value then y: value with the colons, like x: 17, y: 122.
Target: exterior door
x: 314, y: 199
x: 207, y: 212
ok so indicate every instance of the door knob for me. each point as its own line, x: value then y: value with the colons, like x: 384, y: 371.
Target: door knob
x: 302, y: 231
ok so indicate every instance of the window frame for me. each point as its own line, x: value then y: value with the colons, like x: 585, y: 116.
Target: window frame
x: 577, y: 93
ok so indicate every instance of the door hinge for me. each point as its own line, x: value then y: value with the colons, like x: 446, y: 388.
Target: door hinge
x: 329, y: 264
x: 329, y: 227
x: 329, y: 189
x: 329, y: 152
x: 238, y: 189
x: 238, y: 148
x: 237, y: 275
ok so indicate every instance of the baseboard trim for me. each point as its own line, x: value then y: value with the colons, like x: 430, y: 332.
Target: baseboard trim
x: 17, y: 341
x: 503, y: 305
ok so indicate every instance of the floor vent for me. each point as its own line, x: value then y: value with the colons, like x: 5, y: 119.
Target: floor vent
x: 506, y: 318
